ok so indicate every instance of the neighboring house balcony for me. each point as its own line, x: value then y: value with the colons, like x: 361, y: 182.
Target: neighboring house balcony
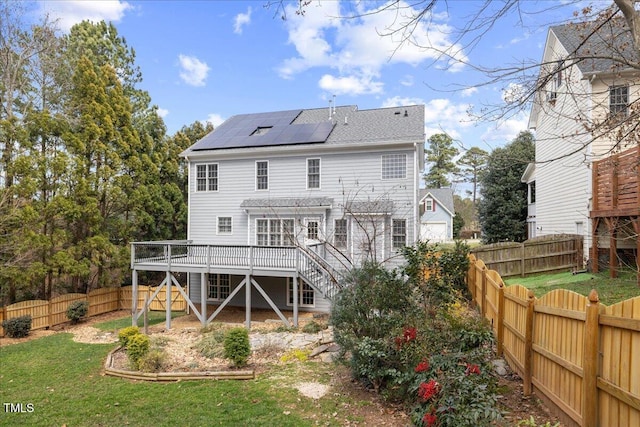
x: 615, y: 209
x: 307, y: 264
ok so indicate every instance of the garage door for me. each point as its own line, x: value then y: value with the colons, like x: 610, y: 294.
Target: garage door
x: 434, y: 232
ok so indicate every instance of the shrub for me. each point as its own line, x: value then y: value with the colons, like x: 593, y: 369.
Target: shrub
x: 18, y: 327
x: 77, y: 310
x: 126, y: 333
x: 137, y: 347
x: 237, y: 347
x: 312, y: 327
x: 152, y: 361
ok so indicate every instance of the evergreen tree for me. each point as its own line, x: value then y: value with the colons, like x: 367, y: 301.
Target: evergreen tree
x: 440, y: 153
x: 471, y: 164
x: 503, y: 207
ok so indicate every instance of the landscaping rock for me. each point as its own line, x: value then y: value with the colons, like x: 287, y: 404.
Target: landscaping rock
x: 501, y: 367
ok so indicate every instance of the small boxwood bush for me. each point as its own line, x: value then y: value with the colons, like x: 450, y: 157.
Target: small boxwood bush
x: 137, y: 348
x: 237, y: 347
x: 126, y: 333
x: 18, y: 327
x: 77, y: 310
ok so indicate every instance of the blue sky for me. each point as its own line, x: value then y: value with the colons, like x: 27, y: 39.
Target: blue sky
x: 208, y: 60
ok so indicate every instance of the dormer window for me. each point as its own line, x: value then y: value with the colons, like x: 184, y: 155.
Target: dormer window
x: 619, y: 100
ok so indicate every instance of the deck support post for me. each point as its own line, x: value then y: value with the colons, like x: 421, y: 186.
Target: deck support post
x: 247, y: 301
x: 168, y: 299
x: 295, y: 300
x: 203, y: 298
x: 134, y: 299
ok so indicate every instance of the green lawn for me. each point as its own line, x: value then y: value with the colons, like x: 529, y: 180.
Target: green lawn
x: 62, y: 380
x: 609, y: 290
x: 154, y: 317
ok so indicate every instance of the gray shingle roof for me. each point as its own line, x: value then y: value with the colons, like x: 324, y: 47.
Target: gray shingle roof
x: 598, y: 50
x: 444, y: 196
x: 349, y: 125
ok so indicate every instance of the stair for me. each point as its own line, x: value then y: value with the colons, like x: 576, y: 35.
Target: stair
x: 318, y: 274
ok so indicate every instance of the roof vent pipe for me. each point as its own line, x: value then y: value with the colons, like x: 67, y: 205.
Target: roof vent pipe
x: 406, y: 114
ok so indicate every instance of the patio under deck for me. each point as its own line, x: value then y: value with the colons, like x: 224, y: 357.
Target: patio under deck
x: 249, y: 261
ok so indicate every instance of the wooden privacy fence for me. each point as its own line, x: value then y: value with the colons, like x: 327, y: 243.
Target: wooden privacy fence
x: 46, y: 314
x: 581, y: 357
x: 561, y: 252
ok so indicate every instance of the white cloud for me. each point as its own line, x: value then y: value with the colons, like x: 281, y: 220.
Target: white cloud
x: 162, y: 112
x: 351, y: 85
x: 398, y: 101
x: 513, y: 93
x: 504, y: 131
x: 71, y: 12
x: 469, y: 91
x: 353, y: 46
x: 193, y: 71
x: 241, y: 20
x: 215, y: 119
x: 407, y: 80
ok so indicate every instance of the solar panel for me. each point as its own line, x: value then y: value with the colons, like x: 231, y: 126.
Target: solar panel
x: 264, y: 129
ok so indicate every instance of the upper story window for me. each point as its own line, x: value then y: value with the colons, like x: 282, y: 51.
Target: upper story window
x: 557, y: 79
x: 225, y: 225
x: 399, y: 230
x: 429, y: 206
x: 619, y: 100
x: 313, y: 173
x: 207, y: 177
x: 262, y: 175
x: 340, y: 233
x: 394, y: 166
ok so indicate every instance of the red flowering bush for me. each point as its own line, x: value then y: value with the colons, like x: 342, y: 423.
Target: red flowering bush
x: 422, y: 366
x: 472, y: 369
x: 409, y: 334
x: 430, y: 420
x: 429, y: 389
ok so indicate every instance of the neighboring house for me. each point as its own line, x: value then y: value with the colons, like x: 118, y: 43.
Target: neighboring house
x: 436, y: 214
x: 281, y: 203
x: 584, y: 93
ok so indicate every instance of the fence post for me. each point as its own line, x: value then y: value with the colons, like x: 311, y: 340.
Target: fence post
x: 528, y: 344
x: 483, y: 292
x: 590, y: 362
x: 471, y: 278
x: 500, y: 315
x: 522, y: 263
x: 49, y: 314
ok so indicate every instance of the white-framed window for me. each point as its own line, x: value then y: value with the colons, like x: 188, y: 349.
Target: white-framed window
x: 429, y: 206
x: 225, y: 225
x: 207, y: 177
x: 619, y: 101
x: 394, y: 166
x: 556, y: 81
x: 274, y: 232
x: 262, y: 175
x: 313, y: 173
x: 306, y: 294
x: 399, y: 233
x: 340, y: 233
x: 313, y: 229
x: 219, y: 286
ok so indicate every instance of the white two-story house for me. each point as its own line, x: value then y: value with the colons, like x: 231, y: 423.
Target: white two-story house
x: 282, y: 203
x: 586, y: 89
